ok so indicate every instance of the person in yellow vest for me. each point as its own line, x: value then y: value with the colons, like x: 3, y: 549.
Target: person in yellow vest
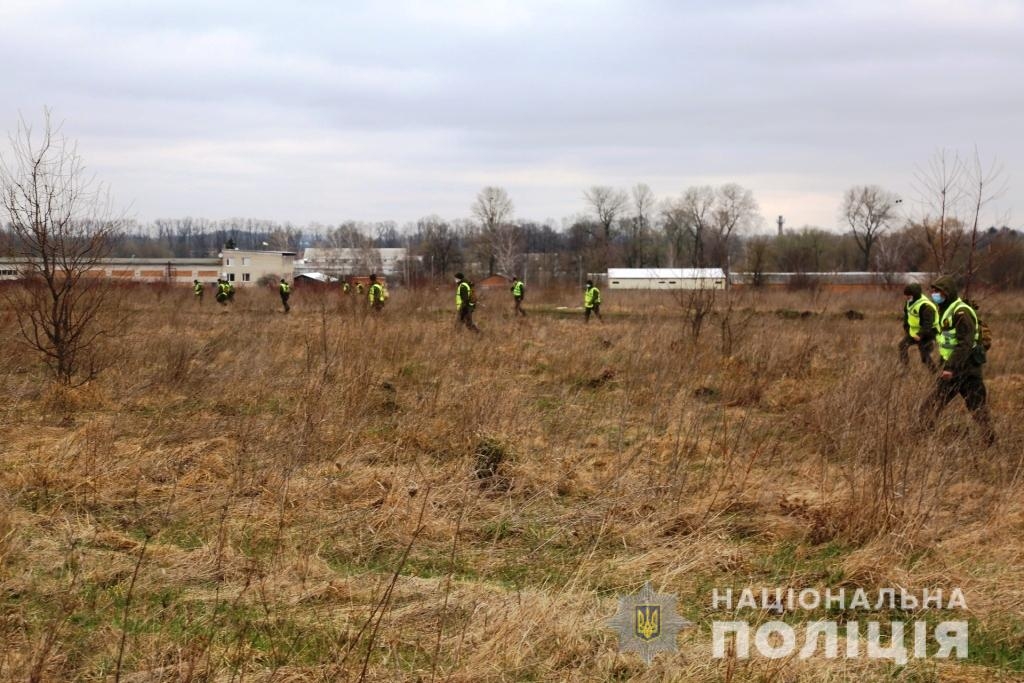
x: 376, y: 294
x: 518, y: 291
x: 591, y: 301
x: 920, y: 324
x: 286, y: 291
x: 464, y: 303
x: 962, y: 357
x: 222, y: 291
x: 197, y: 289
x: 345, y: 288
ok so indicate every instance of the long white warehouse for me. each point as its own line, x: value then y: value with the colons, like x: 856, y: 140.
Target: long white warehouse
x: 666, y: 278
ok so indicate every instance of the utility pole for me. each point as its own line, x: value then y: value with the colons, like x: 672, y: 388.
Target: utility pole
x: 780, y: 221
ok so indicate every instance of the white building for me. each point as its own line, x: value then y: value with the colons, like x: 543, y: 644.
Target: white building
x: 239, y: 266
x: 339, y: 262
x: 248, y: 267
x: 666, y: 278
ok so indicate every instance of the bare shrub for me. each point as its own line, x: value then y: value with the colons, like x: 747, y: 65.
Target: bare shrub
x: 62, y: 228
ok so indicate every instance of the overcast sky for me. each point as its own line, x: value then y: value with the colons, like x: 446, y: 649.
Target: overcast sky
x: 329, y: 111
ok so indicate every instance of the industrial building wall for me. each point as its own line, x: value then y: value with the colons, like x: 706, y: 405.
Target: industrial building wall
x: 661, y: 283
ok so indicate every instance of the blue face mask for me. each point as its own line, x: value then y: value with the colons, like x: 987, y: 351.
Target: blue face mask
x: 937, y: 297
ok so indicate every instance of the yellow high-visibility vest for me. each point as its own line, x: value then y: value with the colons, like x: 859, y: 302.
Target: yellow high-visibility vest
x: 461, y: 297
x: 376, y: 293
x: 914, y: 314
x: 947, y: 328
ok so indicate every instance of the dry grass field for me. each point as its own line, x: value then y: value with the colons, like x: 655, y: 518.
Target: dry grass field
x: 243, y: 495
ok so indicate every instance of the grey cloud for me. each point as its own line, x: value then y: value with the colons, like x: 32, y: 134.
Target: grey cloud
x: 784, y: 90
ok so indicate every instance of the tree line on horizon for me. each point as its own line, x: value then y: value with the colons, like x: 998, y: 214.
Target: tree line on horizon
x: 703, y: 226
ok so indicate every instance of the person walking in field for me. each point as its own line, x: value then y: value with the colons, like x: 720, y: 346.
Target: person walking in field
x: 286, y: 291
x: 920, y: 325
x: 376, y: 294
x: 464, y: 302
x: 197, y: 290
x: 518, y: 291
x: 591, y: 301
x: 962, y: 357
x: 222, y: 291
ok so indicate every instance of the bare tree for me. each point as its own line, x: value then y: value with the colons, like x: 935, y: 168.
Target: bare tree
x: 758, y: 255
x: 689, y: 218
x: 674, y: 235
x: 507, y: 247
x: 607, y: 204
x: 494, y: 209
x: 62, y: 227
x: 984, y: 186
x: 869, y: 210
x: 638, y: 226
x: 735, y: 212
x: 438, y: 243
x: 940, y: 190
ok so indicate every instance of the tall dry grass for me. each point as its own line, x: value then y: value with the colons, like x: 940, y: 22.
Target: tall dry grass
x: 334, y: 495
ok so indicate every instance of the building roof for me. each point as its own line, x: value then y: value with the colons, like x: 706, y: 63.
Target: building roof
x: 319, y: 277
x: 666, y: 273
x: 343, y: 253
x: 835, y: 278
x: 142, y: 262
x: 239, y: 252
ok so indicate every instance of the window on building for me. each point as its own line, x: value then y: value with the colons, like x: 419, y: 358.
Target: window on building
x: 231, y: 277
x: 246, y: 277
x: 246, y: 260
x: 229, y: 261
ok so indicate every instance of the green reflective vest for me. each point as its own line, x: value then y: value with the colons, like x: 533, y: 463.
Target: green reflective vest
x: 591, y: 297
x: 517, y: 289
x: 376, y: 293
x: 198, y: 288
x: 947, y: 328
x: 285, y: 288
x: 463, y: 294
x: 914, y: 314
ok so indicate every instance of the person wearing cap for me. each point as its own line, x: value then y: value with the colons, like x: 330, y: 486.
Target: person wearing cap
x: 518, y: 291
x: 591, y: 301
x: 464, y: 302
x: 920, y: 325
x: 962, y: 358
x: 286, y: 291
